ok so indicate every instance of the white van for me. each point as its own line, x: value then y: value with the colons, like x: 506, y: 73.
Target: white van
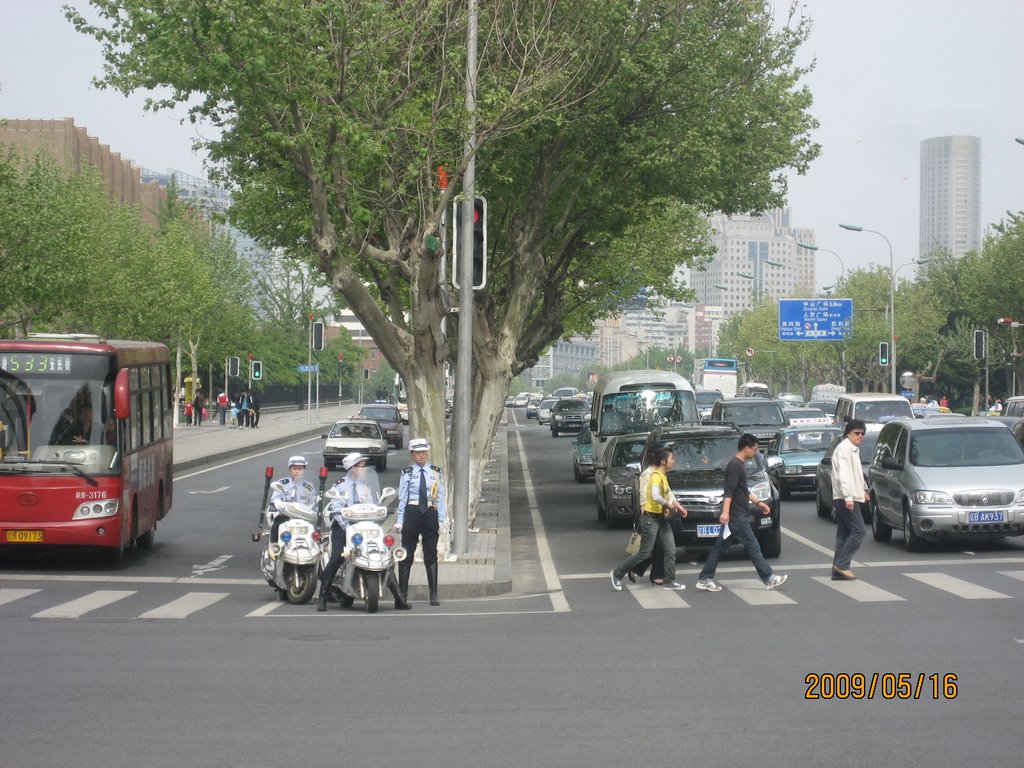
x: 872, y: 407
x: 629, y: 402
x: 754, y: 389
x: 827, y: 391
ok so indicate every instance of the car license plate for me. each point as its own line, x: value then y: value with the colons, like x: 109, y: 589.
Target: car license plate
x: 985, y: 517
x: 25, y: 537
x: 708, y: 531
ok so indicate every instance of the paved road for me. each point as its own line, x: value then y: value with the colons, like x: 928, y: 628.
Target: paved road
x: 181, y: 658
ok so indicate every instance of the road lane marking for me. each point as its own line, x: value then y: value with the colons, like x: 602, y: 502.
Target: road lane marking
x: 656, y: 598
x: 10, y: 595
x: 185, y: 605
x: 1018, y: 575
x: 264, y: 610
x: 73, y: 609
x: 558, y: 602
x: 956, y: 586
x: 859, y: 590
x: 753, y: 592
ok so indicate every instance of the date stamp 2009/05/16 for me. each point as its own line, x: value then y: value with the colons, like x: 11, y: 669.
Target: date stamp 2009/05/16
x: 877, y: 685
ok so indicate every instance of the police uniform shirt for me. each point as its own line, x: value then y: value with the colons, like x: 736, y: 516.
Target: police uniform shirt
x: 304, y: 493
x: 409, y: 491
x: 352, y: 492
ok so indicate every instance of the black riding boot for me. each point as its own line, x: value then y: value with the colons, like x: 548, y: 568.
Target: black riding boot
x: 321, y: 603
x: 400, y: 602
x: 432, y: 583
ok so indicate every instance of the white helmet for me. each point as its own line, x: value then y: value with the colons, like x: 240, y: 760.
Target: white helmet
x: 351, y: 460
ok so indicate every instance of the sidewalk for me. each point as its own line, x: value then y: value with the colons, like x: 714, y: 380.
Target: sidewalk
x: 484, y: 569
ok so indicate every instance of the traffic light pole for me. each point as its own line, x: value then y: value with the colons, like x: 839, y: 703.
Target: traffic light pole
x: 464, y: 355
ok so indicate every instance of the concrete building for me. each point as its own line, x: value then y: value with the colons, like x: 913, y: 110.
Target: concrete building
x: 757, y: 258
x: 950, y: 214
x: 576, y: 357
x: 71, y: 147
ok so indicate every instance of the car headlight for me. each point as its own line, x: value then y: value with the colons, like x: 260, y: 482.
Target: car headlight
x: 622, y: 490
x: 932, y: 497
x: 763, y: 490
x: 791, y: 470
x: 1020, y: 498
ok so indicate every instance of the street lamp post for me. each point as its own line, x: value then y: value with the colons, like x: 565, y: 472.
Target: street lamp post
x: 892, y: 303
x: 842, y: 266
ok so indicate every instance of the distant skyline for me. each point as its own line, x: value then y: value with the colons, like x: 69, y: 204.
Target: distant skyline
x: 889, y: 74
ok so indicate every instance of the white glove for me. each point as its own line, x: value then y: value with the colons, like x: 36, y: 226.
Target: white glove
x: 277, y: 505
x: 398, y: 527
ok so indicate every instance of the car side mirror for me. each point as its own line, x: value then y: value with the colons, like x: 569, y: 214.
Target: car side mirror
x: 774, y: 462
x: 633, y: 466
x: 826, y: 461
x: 891, y: 462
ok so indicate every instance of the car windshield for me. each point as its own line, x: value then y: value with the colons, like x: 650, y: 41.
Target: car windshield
x: 767, y: 413
x: 704, y: 453
x: 572, y: 405
x: 546, y: 404
x: 965, y: 448
x: 884, y: 410
x: 705, y: 399
x: 384, y: 414
x: 642, y: 410
x: 827, y: 407
x: 628, y: 452
x: 353, y: 431
x: 803, y: 441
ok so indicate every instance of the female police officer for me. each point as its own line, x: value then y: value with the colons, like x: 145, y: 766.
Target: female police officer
x: 420, y: 514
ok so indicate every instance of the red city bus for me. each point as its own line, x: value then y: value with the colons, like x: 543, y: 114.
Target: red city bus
x: 86, y: 446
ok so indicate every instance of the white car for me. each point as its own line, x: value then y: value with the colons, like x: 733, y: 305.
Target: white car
x: 356, y: 436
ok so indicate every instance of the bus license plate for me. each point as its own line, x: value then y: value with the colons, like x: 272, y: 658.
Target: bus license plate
x: 985, y: 517
x: 708, y: 531
x: 25, y: 537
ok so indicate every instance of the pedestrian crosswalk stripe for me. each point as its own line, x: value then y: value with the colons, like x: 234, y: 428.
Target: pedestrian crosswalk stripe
x: 859, y: 590
x: 82, y: 605
x: 10, y: 595
x: 955, y: 586
x: 655, y: 598
x: 184, y: 606
x: 753, y: 592
x: 264, y: 610
x: 1018, y: 575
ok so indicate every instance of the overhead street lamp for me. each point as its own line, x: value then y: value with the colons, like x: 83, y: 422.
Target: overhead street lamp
x: 892, y: 303
x: 1019, y: 140
x: 842, y: 266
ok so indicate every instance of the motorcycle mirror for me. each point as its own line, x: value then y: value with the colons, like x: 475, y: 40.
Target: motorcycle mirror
x: 277, y: 486
x: 387, y: 495
x: 332, y: 493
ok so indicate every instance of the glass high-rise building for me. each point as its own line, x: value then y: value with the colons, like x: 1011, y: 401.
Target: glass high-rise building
x: 950, y: 195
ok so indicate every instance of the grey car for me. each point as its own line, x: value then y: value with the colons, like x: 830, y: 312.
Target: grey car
x: 614, y: 479
x: 940, y: 478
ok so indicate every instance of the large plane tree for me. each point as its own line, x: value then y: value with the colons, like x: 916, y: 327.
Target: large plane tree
x: 606, y: 129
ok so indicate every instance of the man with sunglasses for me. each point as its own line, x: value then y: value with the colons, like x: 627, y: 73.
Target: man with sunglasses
x: 848, y: 493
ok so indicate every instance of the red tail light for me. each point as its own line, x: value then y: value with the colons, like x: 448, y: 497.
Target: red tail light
x: 389, y: 540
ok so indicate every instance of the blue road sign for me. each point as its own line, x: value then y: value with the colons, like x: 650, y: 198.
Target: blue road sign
x: 315, y: 368
x: 815, y: 319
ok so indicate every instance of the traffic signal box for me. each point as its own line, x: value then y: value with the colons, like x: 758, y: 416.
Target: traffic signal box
x: 234, y: 365
x: 979, y: 345
x: 256, y: 370
x: 479, y: 242
x: 883, y: 353
x: 318, y: 336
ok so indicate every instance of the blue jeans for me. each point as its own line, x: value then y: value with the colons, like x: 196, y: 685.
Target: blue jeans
x: 652, y: 528
x: 850, y: 532
x: 740, y: 527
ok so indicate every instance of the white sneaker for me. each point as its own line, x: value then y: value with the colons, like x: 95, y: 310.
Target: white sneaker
x: 616, y: 582
x: 672, y: 585
x: 775, y: 580
x: 709, y: 585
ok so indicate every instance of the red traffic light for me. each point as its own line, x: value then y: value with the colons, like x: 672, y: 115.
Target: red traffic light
x: 1004, y: 321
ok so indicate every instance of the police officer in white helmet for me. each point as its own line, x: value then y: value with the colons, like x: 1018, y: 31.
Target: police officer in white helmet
x: 421, y: 511
x: 293, y: 489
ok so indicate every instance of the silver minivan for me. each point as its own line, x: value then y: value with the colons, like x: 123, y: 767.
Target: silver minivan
x: 946, y: 476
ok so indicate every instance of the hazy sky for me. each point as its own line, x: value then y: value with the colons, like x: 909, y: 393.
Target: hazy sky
x: 889, y: 73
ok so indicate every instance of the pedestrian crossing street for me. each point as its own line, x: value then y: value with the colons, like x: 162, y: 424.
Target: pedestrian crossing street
x: 907, y: 587
x: 127, y: 604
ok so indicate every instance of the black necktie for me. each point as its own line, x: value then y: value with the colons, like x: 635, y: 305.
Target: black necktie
x: 423, y: 490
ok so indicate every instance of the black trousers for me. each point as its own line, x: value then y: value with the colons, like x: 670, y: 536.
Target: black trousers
x: 334, y: 563
x: 420, y: 524
x: 274, y: 526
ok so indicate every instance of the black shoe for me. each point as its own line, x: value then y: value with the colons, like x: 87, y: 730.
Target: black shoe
x: 401, y: 605
x: 321, y: 603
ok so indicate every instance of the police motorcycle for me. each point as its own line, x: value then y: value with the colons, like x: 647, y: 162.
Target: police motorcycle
x: 291, y: 564
x: 370, y: 552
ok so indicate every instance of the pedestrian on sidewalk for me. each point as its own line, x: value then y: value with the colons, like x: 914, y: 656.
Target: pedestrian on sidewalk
x: 197, y: 410
x: 849, y: 494
x: 222, y: 407
x: 658, y: 504
x: 735, y: 520
x: 420, y: 513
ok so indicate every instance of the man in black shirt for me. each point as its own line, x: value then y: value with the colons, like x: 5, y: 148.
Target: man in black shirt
x: 736, y: 518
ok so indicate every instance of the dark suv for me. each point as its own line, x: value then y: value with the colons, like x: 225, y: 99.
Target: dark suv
x: 568, y: 415
x: 698, y: 480
x: 758, y: 415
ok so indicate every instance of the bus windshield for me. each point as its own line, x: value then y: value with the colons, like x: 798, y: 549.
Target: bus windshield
x: 57, y: 409
x: 643, y: 410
